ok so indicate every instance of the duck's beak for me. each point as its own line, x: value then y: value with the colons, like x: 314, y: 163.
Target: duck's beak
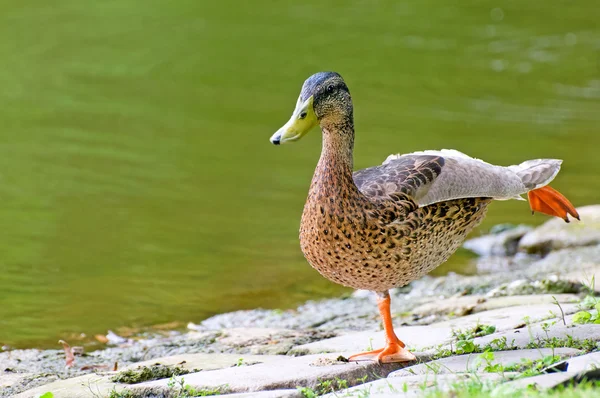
x: 302, y: 121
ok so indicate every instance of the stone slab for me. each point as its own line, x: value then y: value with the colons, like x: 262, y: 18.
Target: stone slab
x: 77, y: 387
x: 9, y: 379
x: 415, y: 337
x: 101, y: 385
x: 266, y: 394
x: 535, y: 333
x: 306, y: 371
x: 584, y: 363
x: 471, y: 362
x: 411, y: 386
x: 465, y: 305
x: 504, y: 243
x: 506, y: 319
x: 540, y: 382
x: 208, y: 361
x: 555, y: 234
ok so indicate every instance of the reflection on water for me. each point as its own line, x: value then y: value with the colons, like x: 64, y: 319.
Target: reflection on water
x: 138, y: 184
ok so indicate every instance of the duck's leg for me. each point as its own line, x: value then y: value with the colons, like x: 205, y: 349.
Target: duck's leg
x: 394, y: 350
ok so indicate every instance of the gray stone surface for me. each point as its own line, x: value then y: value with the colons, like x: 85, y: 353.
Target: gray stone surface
x: 555, y: 234
x: 540, y: 382
x: 412, y: 386
x: 266, y: 394
x: 503, y: 243
x: 465, y: 305
x: 306, y: 371
x: 415, y: 337
x: 100, y: 383
x: 472, y: 363
x: 566, y: 262
x: 585, y: 362
x: 522, y: 337
x: 9, y: 379
x: 86, y: 386
x: 505, y: 319
x: 208, y: 361
x: 455, y: 306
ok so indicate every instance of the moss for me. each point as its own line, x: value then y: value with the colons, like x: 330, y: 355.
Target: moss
x: 147, y: 373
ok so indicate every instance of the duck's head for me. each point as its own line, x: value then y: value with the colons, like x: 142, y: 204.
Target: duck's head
x: 324, y: 99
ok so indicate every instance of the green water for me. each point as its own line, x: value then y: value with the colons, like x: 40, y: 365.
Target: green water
x: 137, y: 182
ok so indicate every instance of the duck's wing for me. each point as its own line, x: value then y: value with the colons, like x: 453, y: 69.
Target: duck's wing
x: 434, y: 176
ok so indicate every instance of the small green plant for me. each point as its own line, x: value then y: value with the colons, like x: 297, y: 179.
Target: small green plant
x: 528, y: 368
x: 586, y: 345
x: 326, y: 386
x: 583, y: 317
x: 178, y: 389
x: 307, y: 392
x: 477, y: 331
x: 147, y: 373
x: 119, y: 394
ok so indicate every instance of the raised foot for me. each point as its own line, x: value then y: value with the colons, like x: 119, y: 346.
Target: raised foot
x: 392, y: 353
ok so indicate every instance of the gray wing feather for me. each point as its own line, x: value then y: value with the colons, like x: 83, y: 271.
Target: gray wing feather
x: 435, y: 176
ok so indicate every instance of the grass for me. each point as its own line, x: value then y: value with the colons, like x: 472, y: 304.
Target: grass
x: 147, y: 373
x: 480, y: 389
x: 327, y: 386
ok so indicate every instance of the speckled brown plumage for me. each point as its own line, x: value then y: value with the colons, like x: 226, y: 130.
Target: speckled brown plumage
x: 365, y: 231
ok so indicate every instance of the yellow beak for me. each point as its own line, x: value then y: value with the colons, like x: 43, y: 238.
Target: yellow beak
x: 302, y: 121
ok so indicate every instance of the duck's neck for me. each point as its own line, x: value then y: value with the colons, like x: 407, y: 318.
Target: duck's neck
x: 333, y: 175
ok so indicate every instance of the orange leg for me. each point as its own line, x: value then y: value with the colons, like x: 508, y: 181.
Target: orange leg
x: 394, y: 350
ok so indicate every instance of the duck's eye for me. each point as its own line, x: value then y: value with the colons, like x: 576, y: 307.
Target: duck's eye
x: 330, y: 88
x: 302, y: 115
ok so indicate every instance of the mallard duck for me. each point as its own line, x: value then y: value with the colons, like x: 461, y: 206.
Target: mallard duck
x: 387, y: 225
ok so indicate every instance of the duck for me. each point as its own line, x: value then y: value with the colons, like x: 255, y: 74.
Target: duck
x: 385, y: 226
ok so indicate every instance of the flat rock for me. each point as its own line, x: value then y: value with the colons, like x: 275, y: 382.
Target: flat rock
x: 9, y: 379
x: 415, y: 337
x: 412, y: 386
x: 522, y: 337
x: 266, y: 394
x: 567, y: 261
x: 540, y: 382
x: 306, y: 371
x: 503, y: 243
x: 584, y: 362
x: 100, y: 383
x: 505, y: 319
x: 555, y: 234
x: 207, y: 361
x: 471, y: 362
x: 457, y: 306
x: 86, y: 386
x: 465, y: 305
x: 513, y: 301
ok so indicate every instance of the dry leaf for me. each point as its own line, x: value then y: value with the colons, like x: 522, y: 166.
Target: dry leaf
x: 70, y: 358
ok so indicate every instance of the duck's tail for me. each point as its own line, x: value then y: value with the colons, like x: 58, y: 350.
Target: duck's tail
x: 536, y: 175
x: 549, y: 201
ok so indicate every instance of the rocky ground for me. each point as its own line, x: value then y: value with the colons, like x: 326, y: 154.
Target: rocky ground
x: 528, y: 322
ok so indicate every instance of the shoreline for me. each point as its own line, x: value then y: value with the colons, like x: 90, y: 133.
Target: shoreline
x: 542, y: 274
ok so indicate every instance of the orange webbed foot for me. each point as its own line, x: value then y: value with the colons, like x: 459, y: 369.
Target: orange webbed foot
x: 549, y: 201
x: 392, y: 353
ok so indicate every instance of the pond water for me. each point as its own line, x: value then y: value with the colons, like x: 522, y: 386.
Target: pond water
x: 137, y: 181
